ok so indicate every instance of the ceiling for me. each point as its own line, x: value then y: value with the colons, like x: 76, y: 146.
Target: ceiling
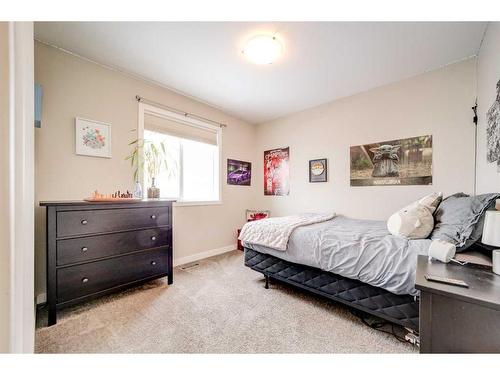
x: 322, y: 61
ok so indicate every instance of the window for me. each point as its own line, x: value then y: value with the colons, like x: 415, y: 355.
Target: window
x: 192, y: 156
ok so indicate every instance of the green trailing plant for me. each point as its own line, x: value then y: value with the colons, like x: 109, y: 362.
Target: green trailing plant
x: 151, y: 156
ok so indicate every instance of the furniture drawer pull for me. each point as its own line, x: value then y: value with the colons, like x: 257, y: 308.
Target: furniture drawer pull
x: 84, y: 222
x: 153, y: 238
x: 153, y: 263
x: 153, y: 216
x: 84, y: 249
x: 85, y: 280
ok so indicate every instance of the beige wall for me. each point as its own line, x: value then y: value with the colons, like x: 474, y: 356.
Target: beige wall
x: 75, y: 87
x: 4, y: 189
x: 488, y: 74
x: 437, y: 103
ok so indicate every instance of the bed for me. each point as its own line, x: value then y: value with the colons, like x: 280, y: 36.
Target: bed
x: 355, y: 262
x: 358, y: 262
x: 402, y: 310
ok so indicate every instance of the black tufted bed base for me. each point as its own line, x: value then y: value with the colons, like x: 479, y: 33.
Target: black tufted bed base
x: 398, y: 309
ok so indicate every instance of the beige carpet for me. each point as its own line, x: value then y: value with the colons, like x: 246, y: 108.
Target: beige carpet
x: 219, y: 306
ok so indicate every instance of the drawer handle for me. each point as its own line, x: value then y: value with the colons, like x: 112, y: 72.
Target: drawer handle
x: 85, y: 280
x: 84, y: 249
x: 84, y: 222
x: 153, y: 216
x: 153, y: 238
x: 153, y: 263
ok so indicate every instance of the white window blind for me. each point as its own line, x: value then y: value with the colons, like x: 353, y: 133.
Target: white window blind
x: 179, y: 129
x: 194, y: 150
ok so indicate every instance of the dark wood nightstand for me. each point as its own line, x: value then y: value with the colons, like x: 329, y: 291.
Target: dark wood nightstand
x: 455, y: 319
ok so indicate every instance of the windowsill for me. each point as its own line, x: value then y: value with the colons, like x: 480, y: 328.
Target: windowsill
x: 197, y: 203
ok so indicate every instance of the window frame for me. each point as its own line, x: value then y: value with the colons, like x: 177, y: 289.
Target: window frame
x: 189, y: 121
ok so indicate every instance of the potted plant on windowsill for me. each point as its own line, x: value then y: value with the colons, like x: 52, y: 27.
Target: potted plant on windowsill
x: 151, y: 157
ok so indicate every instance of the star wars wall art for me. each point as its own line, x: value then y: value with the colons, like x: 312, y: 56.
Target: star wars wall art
x: 276, y: 171
x: 318, y: 170
x: 399, y: 162
x: 493, y: 130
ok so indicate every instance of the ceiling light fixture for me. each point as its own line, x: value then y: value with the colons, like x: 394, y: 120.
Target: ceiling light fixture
x: 263, y: 49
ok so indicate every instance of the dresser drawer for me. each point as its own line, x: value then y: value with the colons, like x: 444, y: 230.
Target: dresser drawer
x: 85, y: 279
x: 74, y: 223
x: 84, y: 249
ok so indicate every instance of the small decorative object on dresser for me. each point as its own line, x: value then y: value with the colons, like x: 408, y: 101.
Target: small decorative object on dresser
x: 95, y: 248
x: 318, y: 170
x: 153, y: 191
x: 138, y: 190
x: 117, y: 196
x: 154, y: 158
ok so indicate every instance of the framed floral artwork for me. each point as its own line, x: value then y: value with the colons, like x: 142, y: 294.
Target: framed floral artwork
x: 92, y: 138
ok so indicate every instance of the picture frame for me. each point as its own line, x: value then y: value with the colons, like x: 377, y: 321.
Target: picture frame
x: 239, y: 172
x: 318, y: 170
x: 92, y: 138
x: 277, y: 171
x: 403, y: 161
x: 253, y: 215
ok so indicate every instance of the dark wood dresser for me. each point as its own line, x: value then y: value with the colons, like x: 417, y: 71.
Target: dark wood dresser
x: 98, y: 248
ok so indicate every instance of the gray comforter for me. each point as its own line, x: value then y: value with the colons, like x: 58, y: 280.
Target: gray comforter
x: 357, y: 249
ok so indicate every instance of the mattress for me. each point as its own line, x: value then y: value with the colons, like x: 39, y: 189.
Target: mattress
x: 363, y: 250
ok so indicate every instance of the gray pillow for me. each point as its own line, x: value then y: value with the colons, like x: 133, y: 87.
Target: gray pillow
x: 459, y: 219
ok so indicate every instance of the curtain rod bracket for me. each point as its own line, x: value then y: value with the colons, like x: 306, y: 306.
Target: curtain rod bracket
x: 186, y: 114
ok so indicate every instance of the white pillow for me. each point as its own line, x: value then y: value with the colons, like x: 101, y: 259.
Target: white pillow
x: 415, y: 220
x: 432, y: 201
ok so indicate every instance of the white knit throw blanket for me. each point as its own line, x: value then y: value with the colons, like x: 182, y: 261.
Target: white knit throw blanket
x: 275, y: 232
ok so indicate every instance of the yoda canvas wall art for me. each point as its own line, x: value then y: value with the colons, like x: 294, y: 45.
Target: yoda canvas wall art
x: 398, y: 162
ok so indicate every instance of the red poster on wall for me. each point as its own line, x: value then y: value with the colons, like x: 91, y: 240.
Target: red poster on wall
x: 276, y: 171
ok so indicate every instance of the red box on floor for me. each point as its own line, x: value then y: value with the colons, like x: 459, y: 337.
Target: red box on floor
x: 240, y: 246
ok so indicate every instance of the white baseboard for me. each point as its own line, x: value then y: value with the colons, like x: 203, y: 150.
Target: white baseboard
x: 42, y: 297
x: 203, y: 255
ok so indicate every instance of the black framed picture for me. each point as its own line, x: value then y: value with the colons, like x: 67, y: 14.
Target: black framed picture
x: 239, y: 172
x: 318, y: 170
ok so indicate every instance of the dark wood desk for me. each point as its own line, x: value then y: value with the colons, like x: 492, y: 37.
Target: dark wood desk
x: 455, y: 319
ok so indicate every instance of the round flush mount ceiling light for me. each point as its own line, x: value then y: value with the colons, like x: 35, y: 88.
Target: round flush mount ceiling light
x: 263, y: 49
